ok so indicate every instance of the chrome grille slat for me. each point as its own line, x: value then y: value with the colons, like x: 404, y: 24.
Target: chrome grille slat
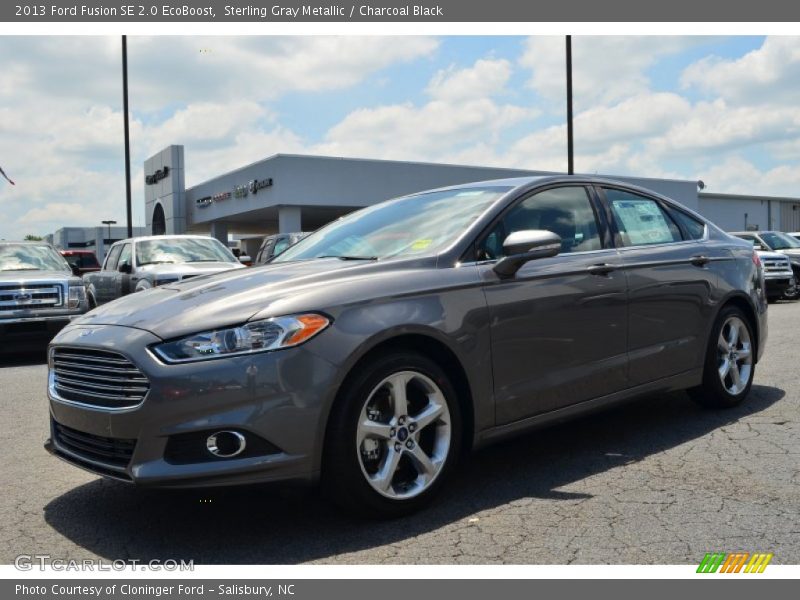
x: 133, y: 375
x: 94, y: 359
x: 34, y: 295
x: 101, y: 378
x: 62, y: 380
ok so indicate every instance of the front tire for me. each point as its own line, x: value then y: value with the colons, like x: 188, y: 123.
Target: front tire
x: 793, y: 293
x: 394, y: 437
x: 730, y: 362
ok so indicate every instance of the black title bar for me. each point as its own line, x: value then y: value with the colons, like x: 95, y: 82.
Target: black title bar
x: 442, y: 11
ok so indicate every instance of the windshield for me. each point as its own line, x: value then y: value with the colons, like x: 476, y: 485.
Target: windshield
x: 412, y: 226
x: 181, y: 250
x: 780, y: 241
x: 29, y: 257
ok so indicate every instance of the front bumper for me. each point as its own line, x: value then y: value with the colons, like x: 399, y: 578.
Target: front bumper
x: 23, y: 332
x: 776, y: 286
x: 279, y: 398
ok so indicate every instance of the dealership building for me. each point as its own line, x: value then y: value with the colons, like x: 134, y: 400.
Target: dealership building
x: 286, y: 192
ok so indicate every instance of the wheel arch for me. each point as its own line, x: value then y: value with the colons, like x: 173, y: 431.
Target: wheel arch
x: 434, y: 349
x: 743, y: 303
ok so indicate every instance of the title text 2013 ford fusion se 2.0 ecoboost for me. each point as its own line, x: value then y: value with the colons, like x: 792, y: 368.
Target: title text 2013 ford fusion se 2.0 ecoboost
x: 376, y: 351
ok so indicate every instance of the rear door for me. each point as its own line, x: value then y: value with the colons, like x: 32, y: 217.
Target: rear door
x: 559, y: 326
x: 672, y: 272
x: 105, y: 279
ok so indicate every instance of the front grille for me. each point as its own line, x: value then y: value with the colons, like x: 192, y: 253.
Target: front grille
x: 776, y: 265
x: 98, y: 453
x: 35, y: 295
x: 97, y: 377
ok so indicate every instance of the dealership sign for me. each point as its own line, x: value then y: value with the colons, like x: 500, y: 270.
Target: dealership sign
x: 157, y: 176
x: 239, y: 191
x: 259, y: 184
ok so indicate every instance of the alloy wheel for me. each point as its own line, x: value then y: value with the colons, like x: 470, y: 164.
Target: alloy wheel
x: 734, y: 355
x: 404, y: 435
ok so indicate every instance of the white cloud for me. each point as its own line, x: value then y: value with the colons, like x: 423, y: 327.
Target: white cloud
x: 604, y: 68
x: 61, y: 125
x: 713, y: 127
x: 766, y: 75
x: 461, y: 114
x: 179, y: 70
x: 485, y: 78
x: 738, y: 175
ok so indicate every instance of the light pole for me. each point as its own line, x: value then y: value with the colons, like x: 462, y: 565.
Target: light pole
x: 127, y: 134
x: 109, y: 223
x: 570, y: 147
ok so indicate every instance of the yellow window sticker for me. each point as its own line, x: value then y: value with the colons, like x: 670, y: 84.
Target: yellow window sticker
x: 421, y: 244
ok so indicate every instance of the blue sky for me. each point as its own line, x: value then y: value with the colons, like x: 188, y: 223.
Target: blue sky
x: 722, y: 109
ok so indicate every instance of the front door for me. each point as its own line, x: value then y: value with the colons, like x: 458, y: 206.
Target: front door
x: 559, y: 326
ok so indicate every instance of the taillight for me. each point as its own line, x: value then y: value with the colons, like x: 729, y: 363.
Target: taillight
x: 756, y: 259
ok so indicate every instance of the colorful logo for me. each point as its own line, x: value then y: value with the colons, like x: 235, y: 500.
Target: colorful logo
x: 736, y: 562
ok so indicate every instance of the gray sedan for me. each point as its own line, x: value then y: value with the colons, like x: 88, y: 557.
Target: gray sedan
x: 378, y: 350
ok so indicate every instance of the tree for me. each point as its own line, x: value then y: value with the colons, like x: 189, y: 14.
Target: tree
x: 32, y: 238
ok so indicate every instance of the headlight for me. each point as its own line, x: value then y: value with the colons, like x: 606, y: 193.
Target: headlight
x: 77, y: 296
x: 258, y: 336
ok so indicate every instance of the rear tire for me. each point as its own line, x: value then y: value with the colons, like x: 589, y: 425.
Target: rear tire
x: 393, y: 438
x: 730, y: 362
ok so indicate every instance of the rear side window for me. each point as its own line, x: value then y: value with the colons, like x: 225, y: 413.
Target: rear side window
x: 641, y: 221
x: 692, y: 228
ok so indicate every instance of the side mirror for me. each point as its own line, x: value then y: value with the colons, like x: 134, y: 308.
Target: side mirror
x: 75, y: 270
x: 125, y: 268
x: 522, y: 246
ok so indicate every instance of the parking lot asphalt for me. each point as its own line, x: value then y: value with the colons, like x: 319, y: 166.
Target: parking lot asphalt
x: 653, y: 482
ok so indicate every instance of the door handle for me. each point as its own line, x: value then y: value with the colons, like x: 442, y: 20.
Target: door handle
x: 603, y: 269
x: 699, y: 261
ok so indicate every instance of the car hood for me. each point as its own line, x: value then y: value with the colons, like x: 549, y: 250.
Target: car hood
x: 233, y: 296
x: 34, y: 276
x: 184, y: 269
x: 792, y: 252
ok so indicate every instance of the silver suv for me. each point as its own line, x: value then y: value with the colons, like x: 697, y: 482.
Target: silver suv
x: 779, y: 251
x: 39, y: 293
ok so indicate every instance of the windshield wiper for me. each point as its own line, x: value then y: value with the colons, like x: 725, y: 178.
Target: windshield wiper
x: 157, y: 262
x: 344, y: 257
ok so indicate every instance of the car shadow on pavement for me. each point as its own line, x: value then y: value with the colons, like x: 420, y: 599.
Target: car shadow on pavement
x: 267, y: 525
x: 24, y: 359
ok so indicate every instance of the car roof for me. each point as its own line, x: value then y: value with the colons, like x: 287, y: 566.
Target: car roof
x: 25, y: 243
x: 147, y: 238
x: 516, y: 183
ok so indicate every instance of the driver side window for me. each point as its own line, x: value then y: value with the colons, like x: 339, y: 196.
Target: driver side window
x: 566, y: 211
x: 111, y: 261
x: 125, y: 255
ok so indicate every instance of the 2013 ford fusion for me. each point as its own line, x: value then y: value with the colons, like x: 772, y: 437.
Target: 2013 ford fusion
x: 377, y: 350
